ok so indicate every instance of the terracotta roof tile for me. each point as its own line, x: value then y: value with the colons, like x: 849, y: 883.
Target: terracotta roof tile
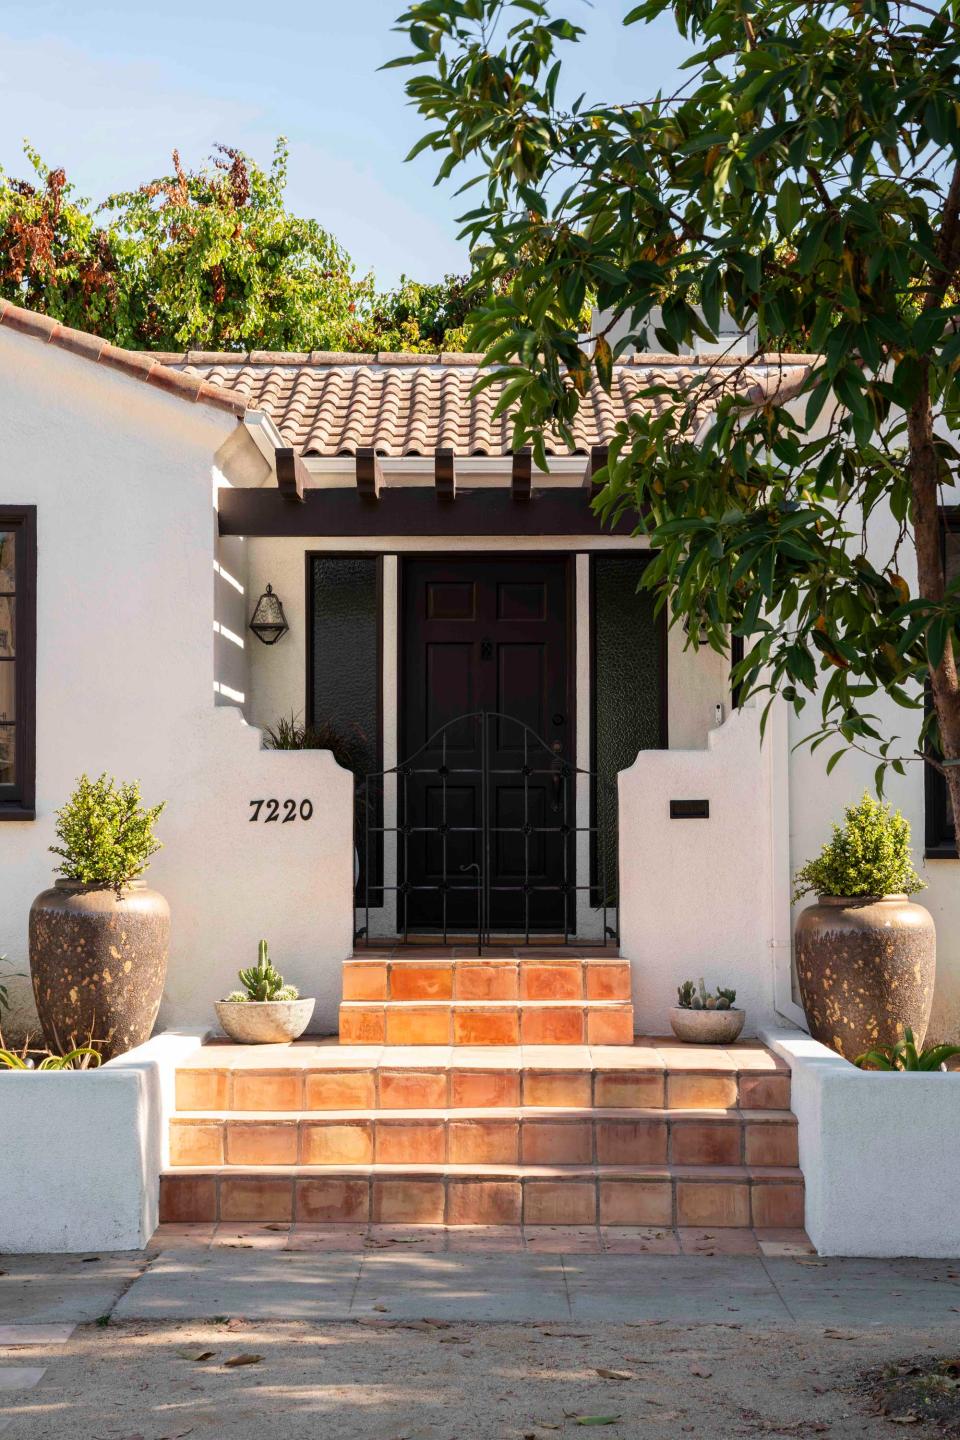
x: 412, y: 404
x: 325, y: 403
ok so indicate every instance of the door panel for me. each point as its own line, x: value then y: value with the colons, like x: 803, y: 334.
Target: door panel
x: 486, y: 635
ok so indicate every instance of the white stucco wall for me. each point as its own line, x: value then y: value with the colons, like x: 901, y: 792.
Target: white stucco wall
x: 127, y: 663
x: 858, y: 1127
x: 93, y: 1181
x: 702, y: 897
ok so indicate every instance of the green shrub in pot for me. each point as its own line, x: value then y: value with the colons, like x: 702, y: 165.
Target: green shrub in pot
x: 99, y: 938
x: 866, y: 955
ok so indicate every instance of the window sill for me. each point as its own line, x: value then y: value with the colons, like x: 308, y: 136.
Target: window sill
x: 16, y: 812
x: 941, y: 852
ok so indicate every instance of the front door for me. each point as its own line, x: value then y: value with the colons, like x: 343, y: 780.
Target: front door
x: 487, y: 814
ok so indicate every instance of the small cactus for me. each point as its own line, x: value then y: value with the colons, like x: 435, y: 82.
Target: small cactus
x: 685, y: 994
x: 697, y: 997
x: 262, y: 982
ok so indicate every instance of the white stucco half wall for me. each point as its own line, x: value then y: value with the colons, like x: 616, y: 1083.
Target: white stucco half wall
x: 91, y: 1181
x: 232, y: 879
x: 880, y: 1153
x: 699, y: 897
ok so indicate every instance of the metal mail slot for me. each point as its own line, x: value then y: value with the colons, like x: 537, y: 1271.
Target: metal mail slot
x: 689, y: 809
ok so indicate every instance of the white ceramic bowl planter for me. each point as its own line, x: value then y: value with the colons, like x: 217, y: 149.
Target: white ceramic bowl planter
x: 264, y: 1022
x: 706, y: 1027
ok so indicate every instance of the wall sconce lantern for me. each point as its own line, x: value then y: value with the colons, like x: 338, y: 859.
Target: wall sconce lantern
x: 269, y: 623
x: 703, y: 634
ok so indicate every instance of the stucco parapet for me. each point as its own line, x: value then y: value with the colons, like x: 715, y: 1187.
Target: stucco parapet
x: 26, y: 322
x: 135, y: 363
x: 141, y: 365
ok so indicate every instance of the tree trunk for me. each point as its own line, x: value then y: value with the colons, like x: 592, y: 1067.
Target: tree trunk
x: 944, y: 685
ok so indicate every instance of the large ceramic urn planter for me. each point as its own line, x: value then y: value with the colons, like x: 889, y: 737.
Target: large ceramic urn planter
x: 98, y: 960
x: 866, y: 967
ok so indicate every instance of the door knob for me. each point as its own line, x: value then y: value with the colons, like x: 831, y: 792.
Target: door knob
x: 486, y: 649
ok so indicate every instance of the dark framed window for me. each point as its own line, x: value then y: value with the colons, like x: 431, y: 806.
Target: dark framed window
x: 344, y: 670
x: 941, y: 827
x: 18, y: 661
x: 629, y: 652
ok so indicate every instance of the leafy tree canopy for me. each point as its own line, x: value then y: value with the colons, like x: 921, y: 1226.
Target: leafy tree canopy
x: 805, y: 179
x: 208, y: 260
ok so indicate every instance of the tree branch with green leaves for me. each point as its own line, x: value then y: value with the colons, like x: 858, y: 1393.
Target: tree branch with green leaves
x: 804, y: 184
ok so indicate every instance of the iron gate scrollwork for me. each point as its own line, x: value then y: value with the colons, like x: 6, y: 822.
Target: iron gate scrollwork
x: 485, y: 819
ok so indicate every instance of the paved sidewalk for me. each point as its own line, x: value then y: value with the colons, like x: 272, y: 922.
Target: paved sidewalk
x: 256, y: 1283
x: 225, y: 1340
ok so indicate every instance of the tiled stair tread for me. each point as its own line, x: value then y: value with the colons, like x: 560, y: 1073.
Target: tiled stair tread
x: 705, y: 1174
x: 492, y: 960
x: 582, y: 1003
x: 504, y: 1113
x: 327, y: 1054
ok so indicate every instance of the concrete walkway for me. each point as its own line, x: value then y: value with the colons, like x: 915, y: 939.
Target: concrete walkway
x: 259, y: 1284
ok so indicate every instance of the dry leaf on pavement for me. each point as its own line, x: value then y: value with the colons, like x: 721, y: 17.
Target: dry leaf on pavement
x: 236, y: 1360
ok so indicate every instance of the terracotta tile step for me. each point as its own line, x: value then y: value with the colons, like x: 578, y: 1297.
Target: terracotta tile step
x: 731, y: 1196
x: 507, y: 1136
x: 530, y: 977
x: 490, y: 1022
x: 333, y: 1077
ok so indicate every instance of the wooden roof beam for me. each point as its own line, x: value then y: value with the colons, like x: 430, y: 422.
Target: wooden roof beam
x: 521, y: 476
x: 598, y: 458
x: 369, y: 474
x: 292, y: 473
x: 445, y: 472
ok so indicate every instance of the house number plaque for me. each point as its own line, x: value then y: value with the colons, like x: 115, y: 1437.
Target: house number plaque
x: 283, y: 811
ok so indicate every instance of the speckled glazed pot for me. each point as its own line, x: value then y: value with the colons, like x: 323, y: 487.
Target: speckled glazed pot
x: 866, y: 968
x: 706, y: 1027
x: 98, y: 961
x: 264, y: 1022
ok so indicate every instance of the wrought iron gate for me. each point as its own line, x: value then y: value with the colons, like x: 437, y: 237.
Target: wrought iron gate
x: 585, y: 855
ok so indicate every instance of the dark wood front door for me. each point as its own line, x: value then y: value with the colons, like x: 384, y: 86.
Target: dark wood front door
x: 485, y: 801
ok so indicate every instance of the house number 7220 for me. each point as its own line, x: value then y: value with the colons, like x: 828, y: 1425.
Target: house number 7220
x: 271, y: 810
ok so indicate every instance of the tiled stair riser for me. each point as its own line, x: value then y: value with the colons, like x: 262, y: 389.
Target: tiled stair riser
x: 490, y: 980
x: 369, y: 1085
x: 717, y: 1198
x: 487, y: 1138
x: 493, y: 1023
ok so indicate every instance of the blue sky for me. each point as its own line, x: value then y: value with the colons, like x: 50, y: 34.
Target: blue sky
x: 107, y: 90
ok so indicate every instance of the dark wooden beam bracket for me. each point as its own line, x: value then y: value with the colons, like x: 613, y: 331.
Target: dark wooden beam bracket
x: 445, y: 472
x: 292, y: 473
x: 369, y: 474
x: 521, y: 476
x: 598, y: 458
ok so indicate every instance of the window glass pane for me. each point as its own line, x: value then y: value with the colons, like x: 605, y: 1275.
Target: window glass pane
x: 346, y: 685
x: 628, y: 666
x: 952, y: 546
x: 8, y: 768
x: 8, y: 691
x: 952, y: 569
x: 7, y: 561
x: 345, y: 654
x: 7, y: 633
